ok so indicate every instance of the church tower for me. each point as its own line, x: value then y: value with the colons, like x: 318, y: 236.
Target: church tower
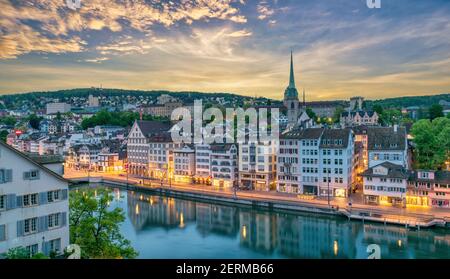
x: 291, y: 101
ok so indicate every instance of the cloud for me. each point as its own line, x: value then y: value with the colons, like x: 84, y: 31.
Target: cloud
x: 239, y: 34
x: 219, y: 44
x: 264, y: 10
x: 50, y: 22
x: 96, y: 60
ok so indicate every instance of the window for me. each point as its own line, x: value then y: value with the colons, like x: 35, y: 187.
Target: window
x: 30, y: 225
x: 30, y: 200
x: 53, y: 220
x: 2, y: 202
x: 32, y: 250
x: 55, y: 245
x: 52, y: 196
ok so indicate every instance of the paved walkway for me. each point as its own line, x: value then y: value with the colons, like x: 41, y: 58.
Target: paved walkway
x: 322, y: 202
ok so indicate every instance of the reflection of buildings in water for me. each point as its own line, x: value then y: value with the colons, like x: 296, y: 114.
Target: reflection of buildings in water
x: 216, y: 219
x: 429, y: 243
x: 313, y: 237
x: 146, y: 211
x: 394, y: 241
x: 258, y: 230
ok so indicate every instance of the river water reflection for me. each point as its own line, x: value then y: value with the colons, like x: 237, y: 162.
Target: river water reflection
x: 164, y: 227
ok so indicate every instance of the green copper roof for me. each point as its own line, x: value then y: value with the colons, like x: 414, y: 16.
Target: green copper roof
x: 291, y: 76
x: 291, y: 92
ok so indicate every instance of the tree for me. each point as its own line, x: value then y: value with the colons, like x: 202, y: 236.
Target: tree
x: 436, y: 111
x: 9, y: 120
x: 432, y: 140
x: 3, y: 135
x: 58, y: 116
x: 337, y: 114
x: 34, y: 121
x: 95, y: 227
x: 311, y: 113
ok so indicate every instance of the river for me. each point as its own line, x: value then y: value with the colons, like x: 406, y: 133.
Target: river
x: 162, y: 227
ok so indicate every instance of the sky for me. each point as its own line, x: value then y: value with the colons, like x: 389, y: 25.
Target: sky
x: 342, y: 48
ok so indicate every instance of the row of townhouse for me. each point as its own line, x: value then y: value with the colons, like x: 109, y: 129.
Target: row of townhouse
x: 250, y: 165
x: 106, y: 156
x: 312, y: 161
x: 152, y: 153
x: 391, y: 184
x: 38, y: 143
x: 33, y: 205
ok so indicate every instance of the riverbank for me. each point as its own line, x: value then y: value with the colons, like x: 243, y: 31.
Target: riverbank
x: 278, y: 202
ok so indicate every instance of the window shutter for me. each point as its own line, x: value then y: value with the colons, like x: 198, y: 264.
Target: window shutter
x: 11, y: 201
x: 43, y: 224
x: 2, y: 232
x: 8, y: 175
x: 26, y: 175
x: 19, y: 201
x: 2, y: 176
x: 20, y: 228
x: 63, y: 219
x: 64, y: 194
x: 46, y: 248
x: 43, y: 198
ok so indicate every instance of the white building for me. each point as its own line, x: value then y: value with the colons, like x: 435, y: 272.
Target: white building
x: 385, y: 184
x: 203, y: 163
x: 184, y: 164
x: 54, y: 108
x: 311, y: 161
x: 138, y: 145
x: 387, y: 144
x: 160, y: 156
x: 257, y: 165
x: 224, y: 165
x: 33, y: 205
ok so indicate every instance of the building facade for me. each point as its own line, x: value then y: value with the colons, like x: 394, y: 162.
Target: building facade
x: 316, y: 161
x: 257, y: 165
x: 33, y: 205
x: 224, y: 165
x: 385, y: 184
x: 387, y: 144
x: 138, y: 145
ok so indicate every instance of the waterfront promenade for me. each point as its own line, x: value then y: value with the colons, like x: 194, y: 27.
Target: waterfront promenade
x: 411, y: 216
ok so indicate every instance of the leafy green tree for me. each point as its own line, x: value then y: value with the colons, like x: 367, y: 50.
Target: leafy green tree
x: 436, y: 111
x: 95, y: 227
x: 311, y: 113
x: 432, y: 141
x: 337, y: 114
x: 3, y: 135
x: 9, y: 120
x: 34, y: 121
x: 58, y: 116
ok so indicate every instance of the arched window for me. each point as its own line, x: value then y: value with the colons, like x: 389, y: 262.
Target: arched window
x: 292, y: 106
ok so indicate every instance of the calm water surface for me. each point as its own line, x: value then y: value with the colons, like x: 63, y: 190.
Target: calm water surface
x: 164, y: 227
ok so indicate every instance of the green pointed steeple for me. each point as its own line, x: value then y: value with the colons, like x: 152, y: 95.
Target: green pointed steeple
x: 291, y: 92
x: 291, y: 76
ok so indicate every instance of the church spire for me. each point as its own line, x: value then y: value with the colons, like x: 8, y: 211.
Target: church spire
x: 291, y: 76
